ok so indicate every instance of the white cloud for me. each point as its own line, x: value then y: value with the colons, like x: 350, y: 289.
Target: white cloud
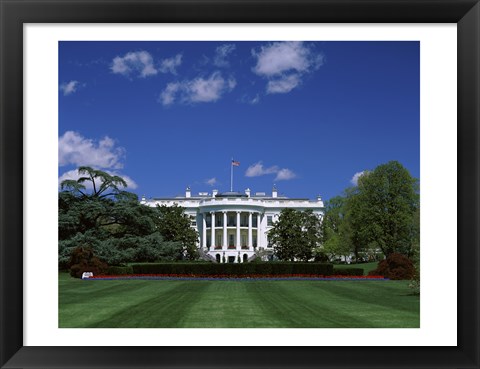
x: 283, y: 85
x: 170, y: 65
x: 356, y: 176
x: 212, y: 181
x: 69, y: 88
x: 246, y: 99
x: 284, y: 63
x: 197, y: 90
x: 284, y: 175
x: 257, y: 169
x: 167, y: 97
x: 77, y: 150
x: 221, y: 54
x: 281, y: 57
x: 255, y: 100
x: 139, y: 62
x: 73, y: 174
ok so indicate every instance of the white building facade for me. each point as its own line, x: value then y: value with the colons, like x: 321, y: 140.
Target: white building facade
x: 233, y: 226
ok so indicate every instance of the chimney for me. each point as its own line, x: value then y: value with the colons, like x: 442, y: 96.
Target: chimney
x: 274, y: 191
x: 214, y: 193
x: 188, y: 192
x: 319, y: 200
x: 247, y: 192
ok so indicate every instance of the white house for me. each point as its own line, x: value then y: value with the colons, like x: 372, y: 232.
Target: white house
x: 233, y: 226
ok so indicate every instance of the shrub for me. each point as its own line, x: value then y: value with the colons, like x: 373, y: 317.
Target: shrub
x: 233, y: 269
x: 395, y: 266
x: 119, y: 270
x: 83, y: 260
x: 349, y: 271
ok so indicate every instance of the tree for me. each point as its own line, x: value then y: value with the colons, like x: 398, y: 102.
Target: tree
x: 94, y: 212
x: 311, y: 232
x: 336, y: 229
x: 383, y: 208
x: 174, y: 225
x: 102, y: 183
x: 295, y: 235
x: 286, y: 235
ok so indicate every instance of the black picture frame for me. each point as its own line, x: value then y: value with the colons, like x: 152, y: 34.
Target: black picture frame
x: 15, y: 13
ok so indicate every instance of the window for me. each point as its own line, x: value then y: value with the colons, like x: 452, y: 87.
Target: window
x: 231, y: 240
x: 254, y: 220
x: 231, y: 220
x: 218, y: 221
x: 244, y: 240
x: 244, y: 221
x: 219, y: 240
x: 208, y: 220
x: 269, y: 220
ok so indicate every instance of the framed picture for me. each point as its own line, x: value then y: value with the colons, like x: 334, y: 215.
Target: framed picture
x: 15, y: 144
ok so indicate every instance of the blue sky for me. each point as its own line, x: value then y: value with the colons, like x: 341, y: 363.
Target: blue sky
x: 306, y: 116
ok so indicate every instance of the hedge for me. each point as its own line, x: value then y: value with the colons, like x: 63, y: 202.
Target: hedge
x: 234, y: 269
x: 349, y: 271
x: 119, y: 270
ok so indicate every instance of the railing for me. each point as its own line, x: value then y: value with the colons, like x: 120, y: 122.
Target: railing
x: 260, y: 202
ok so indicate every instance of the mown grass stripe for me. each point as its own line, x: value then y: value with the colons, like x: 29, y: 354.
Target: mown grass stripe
x: 236, y: 304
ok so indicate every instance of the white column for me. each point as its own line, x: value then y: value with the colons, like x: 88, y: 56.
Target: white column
x: 212, y: 243
x: 204, y: 230
x: 238, y: 230
x: 225, y: 230
x: 250, y: 244
x: 259, y: 230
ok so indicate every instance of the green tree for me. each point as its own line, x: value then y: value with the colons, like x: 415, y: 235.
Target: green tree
x: 95, y: 212
x: 336, y: 229
x: 295, y: 235
x: 174, y: 225
x: 286, y: 235
x: 102, y: 183
x: 312, y: 233
x: 383, y: 208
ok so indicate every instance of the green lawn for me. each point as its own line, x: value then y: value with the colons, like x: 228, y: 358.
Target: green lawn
x: 236, y: 304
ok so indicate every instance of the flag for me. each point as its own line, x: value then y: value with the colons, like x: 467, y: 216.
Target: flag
x: 235, y: 163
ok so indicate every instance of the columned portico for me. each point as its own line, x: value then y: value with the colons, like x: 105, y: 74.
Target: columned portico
x: 238, y: 231
x: 250, y: 230
x: 212, y: 227
x: 259, y: 226
x: 204, y: 230
x: 224, y: 246
x: 233, y: 226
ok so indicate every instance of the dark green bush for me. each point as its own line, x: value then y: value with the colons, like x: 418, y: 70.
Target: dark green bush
x: 119, y: 270
x: 350, y: 271
x: 233, y: 269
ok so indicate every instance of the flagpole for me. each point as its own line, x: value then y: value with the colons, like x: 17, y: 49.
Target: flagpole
x: 231, y: 176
